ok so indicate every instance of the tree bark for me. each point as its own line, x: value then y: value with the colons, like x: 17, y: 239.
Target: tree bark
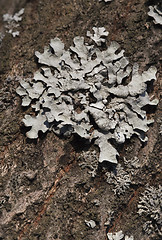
x: 44, y: 192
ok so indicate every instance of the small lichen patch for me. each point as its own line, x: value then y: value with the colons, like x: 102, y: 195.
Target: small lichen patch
x: 90, y: 223
x: 89, y: 160
x: 12, y: 22
x: 132, y: 165
x: 156, y: 13
x: 150, y: 206
x: 119, y: 236
x: 119, y: 178
x: 1, y: 37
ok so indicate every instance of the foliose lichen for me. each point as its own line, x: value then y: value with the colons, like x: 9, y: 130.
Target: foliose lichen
x: 150, y: 206
x: 90, y: 223
x: 119, y: 236
x: 156, y: 13
x: 99, y: 35
x: 133, y: 164
x: 83, y: 91
x: 1, y: 37
x: 119, y: 178
x: 110, y: 218
x: 12, y: 22
x: 89, y: 160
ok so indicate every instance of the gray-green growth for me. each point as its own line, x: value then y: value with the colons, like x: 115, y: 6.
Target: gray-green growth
x: 82, y: 90
x: 150, y: 206
x: 156, y: 13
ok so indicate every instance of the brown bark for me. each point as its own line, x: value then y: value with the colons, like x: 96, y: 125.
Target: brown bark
x: 44, y: 193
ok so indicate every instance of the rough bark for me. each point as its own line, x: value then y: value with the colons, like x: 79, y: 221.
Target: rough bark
x: 44, y: 193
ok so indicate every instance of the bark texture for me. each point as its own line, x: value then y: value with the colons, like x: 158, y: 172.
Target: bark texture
x: 44, y: 192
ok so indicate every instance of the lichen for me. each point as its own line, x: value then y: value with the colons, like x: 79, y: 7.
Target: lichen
x: 161, y: 129
x: 98, y: 36
x: 118, y: 236
x: 150, y: 206
x: 90, y: 223
x: 82, y: 91
x: 119, y: 178
x: 156, y: 13
x: 1, y: 37
x: 133, y: 164
x: 110, y: 218
x: 89, y: 160
x: 12, y: 22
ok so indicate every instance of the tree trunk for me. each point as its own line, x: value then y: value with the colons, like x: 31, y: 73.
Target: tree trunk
x: 45, y: 192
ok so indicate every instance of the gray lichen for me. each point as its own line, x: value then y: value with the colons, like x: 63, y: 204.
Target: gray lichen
x: 110, y: 218
x: 12, y: 22
x: 161, y: 129
x: 90, y: 223
x: 156, y: 13
x: 98, y: 36
x: 132, y: 165
x: 119, y: 178
x: 150, y: 206
x: 89, y: 160
x: 81, y: 90
x: 1, y: 37
x: 119, y: 236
